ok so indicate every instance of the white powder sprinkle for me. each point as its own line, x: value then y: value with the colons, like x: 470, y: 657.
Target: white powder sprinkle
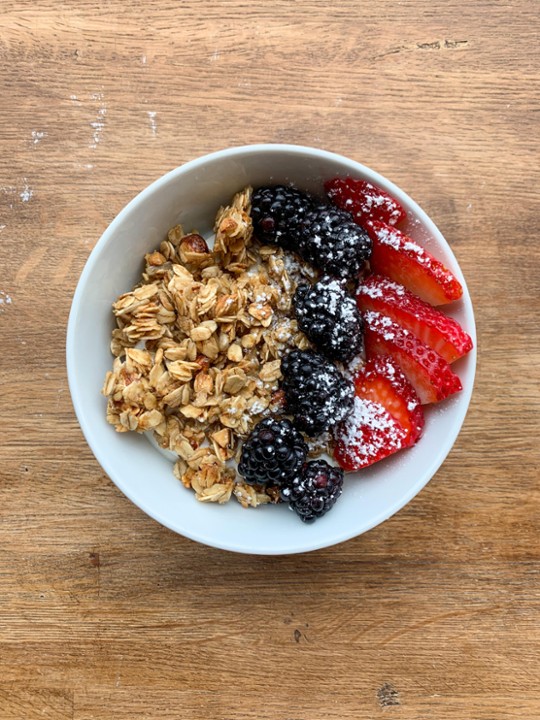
x: 153, y: 125
x: 396, y: 240
x: 380, y: 287
x: 373, y: 292
x: 5, y: 299
x: 374, y: 199
x: 383, y: 325
x: 369, y: 429
x: 388, y: 237
x: 37, y: 136
x: 98, y: 126
x: 257, y: 408
x: 350, y: 370
x: 27, y: 192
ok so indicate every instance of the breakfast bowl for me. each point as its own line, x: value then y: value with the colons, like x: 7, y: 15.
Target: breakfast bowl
x: 190, y: 195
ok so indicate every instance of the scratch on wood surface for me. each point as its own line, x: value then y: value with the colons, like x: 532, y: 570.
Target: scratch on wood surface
x: 434, y: 45
x: 391, y: 51
x: 436, y: 619
x: 440, y: 44
x: 455, y: 43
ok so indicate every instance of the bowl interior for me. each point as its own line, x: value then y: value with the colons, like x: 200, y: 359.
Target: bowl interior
x: 191, y: 195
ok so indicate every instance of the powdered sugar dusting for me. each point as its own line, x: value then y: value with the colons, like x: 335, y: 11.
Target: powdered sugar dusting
x: 388, y: 236
x: 27, y: 193
x: 382, y: 287
x: 383, y: 323
x: 369, y: 430
x: 297, y: 269
x: 153, y: 125
x: 98, y: 125
x: 395, y: 239
x: 330, y: 318
x: 351, y: 369
x: 37, y: 136
x: 5, y: 299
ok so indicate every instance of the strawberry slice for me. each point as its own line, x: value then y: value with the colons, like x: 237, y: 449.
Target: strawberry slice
x: 431, y: 326
x: 386, y: 417
x: 364, y: 201
x: 429, y: 373
x: 381, y: 380
x: 370, y: 433
x: 401, y: 259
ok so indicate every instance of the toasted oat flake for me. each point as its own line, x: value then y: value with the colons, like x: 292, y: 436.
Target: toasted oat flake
x: 198, y: 345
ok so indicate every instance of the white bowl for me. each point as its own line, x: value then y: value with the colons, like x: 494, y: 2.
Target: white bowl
x: 190, y: 195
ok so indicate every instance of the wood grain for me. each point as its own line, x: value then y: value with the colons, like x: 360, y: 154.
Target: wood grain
x: 103, y: 613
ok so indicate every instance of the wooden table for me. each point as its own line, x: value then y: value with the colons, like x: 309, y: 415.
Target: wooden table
x: 103, y: 613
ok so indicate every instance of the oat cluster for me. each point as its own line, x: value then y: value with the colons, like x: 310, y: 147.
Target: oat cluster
x: 198, y: 348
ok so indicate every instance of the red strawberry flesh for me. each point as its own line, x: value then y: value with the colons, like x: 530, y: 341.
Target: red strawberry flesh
x: 429, y: 373
x: 428, y: 324
x: 382, y: 381
x: 401, y: 259
x: 364, y: 201
x: 370, y: 433
x: 386, y: 416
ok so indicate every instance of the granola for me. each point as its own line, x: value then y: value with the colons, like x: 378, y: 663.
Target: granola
x: 198, y: 346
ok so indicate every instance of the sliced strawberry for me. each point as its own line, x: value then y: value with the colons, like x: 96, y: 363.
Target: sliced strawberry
x: 386, y: 417
x: 429, y: 373
x: 381, y: 380
x: 364, y: 201
x: 401, y: 259
x: 370, y: 433
x: 431, y: 326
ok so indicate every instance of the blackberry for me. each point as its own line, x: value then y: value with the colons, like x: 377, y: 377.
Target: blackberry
x: 329, y: 316
x: 333, y: 242
x: 273, y: 453
x: 316, y: 393
x: 313, y: 492
x: 277, y: 213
